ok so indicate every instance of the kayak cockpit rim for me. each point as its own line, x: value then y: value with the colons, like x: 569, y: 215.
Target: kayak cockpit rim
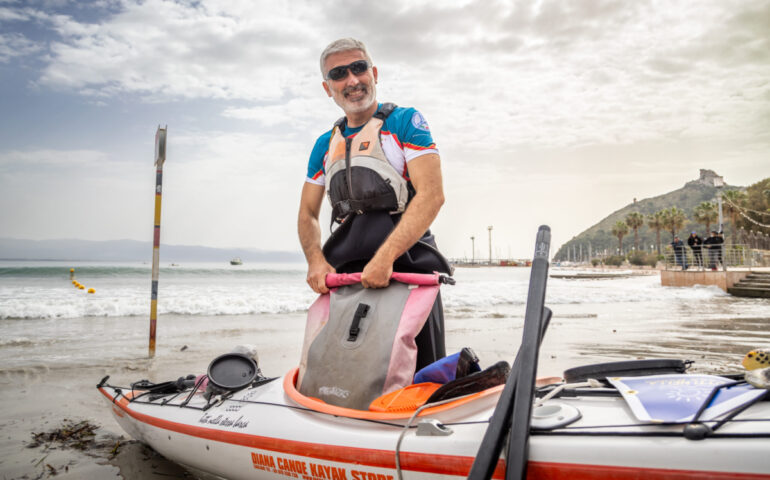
x: 289, y: 387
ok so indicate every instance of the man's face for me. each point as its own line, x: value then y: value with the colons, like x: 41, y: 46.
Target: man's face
x: 353, y: 93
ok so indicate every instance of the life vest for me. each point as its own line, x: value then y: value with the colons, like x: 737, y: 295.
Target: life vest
x: 370, y: 205
x: 360, y: 177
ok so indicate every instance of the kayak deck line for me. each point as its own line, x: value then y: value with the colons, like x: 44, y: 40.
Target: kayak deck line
x: 569, y: 430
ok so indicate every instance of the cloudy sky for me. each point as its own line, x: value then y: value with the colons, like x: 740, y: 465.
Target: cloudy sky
x: 555, y: 112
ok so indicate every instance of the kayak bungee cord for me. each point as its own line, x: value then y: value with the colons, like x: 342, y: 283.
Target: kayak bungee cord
x: 568, y: 430
x: 556, y: 391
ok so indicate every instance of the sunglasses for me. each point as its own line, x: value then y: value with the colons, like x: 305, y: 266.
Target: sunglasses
x: 338, y: 73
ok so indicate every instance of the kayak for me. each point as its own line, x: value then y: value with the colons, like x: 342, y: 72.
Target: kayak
x: 641, y: 419
x: 270, y: 431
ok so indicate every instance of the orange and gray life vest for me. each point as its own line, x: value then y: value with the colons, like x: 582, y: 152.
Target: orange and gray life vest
x: 368, y: 195
x: 360, y: 177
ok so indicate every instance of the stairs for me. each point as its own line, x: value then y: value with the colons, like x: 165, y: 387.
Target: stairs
x: 756, y: 284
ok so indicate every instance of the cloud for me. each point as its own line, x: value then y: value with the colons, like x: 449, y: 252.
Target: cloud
x: 602, y: 88
x: 560, y: 73
x: 48, y: 158
x: 16, y: 45
x: 176, y: 50
x: 292, y: 113
x: 7, y: 14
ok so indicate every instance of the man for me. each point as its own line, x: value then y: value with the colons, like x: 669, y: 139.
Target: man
x: 714, y: 246
x: 695, y: 242
x: 384, y: 211
x: 679, y: 253
x: 720, y: 248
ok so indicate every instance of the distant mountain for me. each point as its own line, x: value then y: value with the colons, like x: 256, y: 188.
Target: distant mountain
x: 600, y: 236
x: 131, y: 250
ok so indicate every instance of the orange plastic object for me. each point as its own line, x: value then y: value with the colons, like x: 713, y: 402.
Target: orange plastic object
x: 407, y: 399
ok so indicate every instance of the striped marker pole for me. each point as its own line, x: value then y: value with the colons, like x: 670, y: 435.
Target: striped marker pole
x: 160, y: 157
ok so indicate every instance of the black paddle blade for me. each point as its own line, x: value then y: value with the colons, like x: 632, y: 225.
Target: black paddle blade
x: 518, y: 441
x: 535, y: 320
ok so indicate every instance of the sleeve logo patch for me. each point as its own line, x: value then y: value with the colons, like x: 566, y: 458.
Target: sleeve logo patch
x: 364, y: 146
x: 419, y: 122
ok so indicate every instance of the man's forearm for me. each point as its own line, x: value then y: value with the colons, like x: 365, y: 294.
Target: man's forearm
x: 310, y: 237
x: 415, y: 221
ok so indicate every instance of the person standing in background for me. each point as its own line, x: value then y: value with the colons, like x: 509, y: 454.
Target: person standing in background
x: 695, y: 242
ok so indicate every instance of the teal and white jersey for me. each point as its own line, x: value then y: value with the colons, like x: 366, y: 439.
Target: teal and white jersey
x: 405, y: 136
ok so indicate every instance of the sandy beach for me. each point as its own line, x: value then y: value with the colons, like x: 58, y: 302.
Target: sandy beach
x: 40, y: 398
x: 51, y: 365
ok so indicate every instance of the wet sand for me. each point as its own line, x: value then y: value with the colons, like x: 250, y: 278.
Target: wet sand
x: 37, y: 396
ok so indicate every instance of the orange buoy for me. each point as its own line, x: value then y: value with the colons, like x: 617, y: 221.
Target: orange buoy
x: 91, y: 290
x: 81, y: 287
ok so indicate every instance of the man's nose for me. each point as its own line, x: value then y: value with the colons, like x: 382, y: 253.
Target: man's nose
x: 350, y: 78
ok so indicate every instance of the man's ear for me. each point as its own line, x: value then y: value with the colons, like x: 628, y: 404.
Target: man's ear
x: 374, y: 73
x: 326, y: 88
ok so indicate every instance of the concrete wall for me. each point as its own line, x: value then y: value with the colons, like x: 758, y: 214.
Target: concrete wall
x: 723, y: 280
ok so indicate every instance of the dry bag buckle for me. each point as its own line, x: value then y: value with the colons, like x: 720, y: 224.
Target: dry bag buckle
x: 361, y: 312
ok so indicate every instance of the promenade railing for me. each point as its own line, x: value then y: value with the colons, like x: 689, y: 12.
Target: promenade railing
x: 721, y: 257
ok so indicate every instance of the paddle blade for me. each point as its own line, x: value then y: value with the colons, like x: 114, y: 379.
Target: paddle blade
x: 535, y: 323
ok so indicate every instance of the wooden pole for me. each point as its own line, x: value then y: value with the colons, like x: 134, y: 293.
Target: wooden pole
x: 160, y: 157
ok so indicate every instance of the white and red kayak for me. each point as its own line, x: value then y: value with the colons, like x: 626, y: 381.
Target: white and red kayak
x: 270, y: 431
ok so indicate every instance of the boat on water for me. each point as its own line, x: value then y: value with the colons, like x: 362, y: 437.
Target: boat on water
x: 236, y: 261
x: 644, y: 419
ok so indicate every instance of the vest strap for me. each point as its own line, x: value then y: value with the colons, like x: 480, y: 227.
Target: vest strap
x: 349, y: 206
x: 384, y: 111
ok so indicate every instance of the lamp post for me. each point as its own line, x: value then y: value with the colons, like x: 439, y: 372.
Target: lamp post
x: 719, y: 183
x: 473, y: 250
x: 490, y: 244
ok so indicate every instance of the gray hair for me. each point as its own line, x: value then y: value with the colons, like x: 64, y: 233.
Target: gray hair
x: 343, y: 45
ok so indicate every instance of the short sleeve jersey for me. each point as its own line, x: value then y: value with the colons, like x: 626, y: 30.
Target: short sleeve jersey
x: 405, y: 136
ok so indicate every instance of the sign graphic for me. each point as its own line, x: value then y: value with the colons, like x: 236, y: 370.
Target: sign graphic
x: 676, y: 398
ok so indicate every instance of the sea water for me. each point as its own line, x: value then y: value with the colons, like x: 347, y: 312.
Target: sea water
x: 46, y: 322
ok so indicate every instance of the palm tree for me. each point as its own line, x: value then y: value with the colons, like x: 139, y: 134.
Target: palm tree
x: 634, y: 220
x: 706, y: 213
x: 734, y: 200
x: 673, y: 220
x: 655, y: 222
x: 620, y: 229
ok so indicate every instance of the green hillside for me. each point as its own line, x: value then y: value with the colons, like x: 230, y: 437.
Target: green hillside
x: 601, y: 239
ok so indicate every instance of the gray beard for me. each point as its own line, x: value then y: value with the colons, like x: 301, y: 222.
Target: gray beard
x: 358, y: 107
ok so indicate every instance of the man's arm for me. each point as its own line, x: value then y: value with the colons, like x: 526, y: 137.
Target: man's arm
x: 310, y: 236
x: 425, y: 173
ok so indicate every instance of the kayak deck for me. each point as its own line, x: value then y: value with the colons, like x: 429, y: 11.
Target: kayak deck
x: 261, y: 432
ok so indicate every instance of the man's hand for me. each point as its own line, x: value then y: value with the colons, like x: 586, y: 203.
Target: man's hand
x: 377, y: 273
x: 310, y: 237
x: 316, y: 275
